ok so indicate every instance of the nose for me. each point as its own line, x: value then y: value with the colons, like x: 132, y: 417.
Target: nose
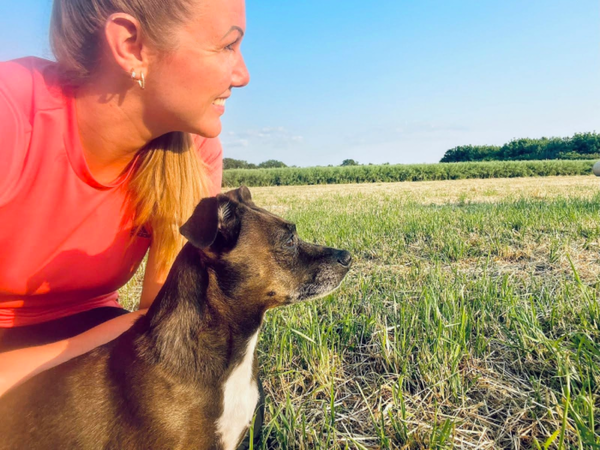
x: 240, y: 76
x: 344, y: 258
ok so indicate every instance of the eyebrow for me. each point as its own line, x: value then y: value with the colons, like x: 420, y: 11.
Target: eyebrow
x: 234, y: 28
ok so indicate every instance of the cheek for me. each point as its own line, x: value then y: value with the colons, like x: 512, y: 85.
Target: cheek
x: 210, y: 76
x: 183, y: 90
x: 188, y: 77
x: 188, y: 81
x: 181, y: 96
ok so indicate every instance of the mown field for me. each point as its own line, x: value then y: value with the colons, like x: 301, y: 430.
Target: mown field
x: 470, y: 319
x: 293, y: 176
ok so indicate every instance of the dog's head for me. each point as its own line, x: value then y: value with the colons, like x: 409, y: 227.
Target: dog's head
x: 257, y: 255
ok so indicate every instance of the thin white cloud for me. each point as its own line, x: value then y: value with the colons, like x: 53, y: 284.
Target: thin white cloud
x: 278, y: 137
x: 407, y: 130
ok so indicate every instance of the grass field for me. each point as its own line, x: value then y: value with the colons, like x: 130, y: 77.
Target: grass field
x: 297, y: 176
x: 470, y: 318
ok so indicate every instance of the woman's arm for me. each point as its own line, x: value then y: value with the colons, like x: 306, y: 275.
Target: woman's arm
x: 154, y: 279
x: 19, y: 365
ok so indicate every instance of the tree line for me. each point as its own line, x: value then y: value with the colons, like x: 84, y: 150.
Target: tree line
x: 580, y: 146
x: 230, y: 163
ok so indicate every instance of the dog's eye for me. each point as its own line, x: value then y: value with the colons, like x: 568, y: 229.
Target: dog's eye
x: 290, y: 242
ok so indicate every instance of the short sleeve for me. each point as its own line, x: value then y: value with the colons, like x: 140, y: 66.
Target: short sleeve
x: 14, y: 134
x: 211, y: 153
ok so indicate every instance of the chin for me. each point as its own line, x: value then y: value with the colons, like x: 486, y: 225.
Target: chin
x: 207, y: 132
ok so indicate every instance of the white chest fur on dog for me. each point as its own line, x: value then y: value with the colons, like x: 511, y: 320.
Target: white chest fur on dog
x: 240, y: 397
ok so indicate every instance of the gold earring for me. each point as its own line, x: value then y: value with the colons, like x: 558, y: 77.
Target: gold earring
x: 141, y: 81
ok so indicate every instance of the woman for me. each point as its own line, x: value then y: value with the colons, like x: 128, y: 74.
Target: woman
x: 103, y: 154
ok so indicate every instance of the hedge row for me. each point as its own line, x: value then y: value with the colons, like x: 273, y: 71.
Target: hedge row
x: 415, y: 172
x: 580, y: 146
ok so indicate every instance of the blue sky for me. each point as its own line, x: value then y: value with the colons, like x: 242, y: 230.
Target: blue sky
x: 393, y: 81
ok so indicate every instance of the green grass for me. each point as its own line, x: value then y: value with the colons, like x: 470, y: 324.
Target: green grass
x: 464, y: 323
x: 293, y: 176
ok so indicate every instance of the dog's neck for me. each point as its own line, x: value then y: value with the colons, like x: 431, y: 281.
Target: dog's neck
x: 193, y: 329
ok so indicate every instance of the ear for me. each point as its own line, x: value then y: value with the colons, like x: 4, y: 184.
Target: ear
x: 201, y: 229
x: 124, y: 41
x: 241, y: 194
x: 214, y: 219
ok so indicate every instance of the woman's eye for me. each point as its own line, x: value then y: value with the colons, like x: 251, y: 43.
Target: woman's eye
x: 231, y: 46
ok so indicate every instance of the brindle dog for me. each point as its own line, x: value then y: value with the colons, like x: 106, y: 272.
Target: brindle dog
x: 185, y: 375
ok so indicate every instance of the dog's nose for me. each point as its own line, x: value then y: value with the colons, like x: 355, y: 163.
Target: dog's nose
x: 344, y: 258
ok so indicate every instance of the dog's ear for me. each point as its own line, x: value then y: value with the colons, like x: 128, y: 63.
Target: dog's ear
x: 215, y: 222
x: 241, y: 194
x: 201, y: 229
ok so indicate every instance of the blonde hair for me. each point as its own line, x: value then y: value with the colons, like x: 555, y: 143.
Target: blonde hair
x: 169, y: 178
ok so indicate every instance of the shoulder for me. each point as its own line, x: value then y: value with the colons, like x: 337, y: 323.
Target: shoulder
x: 26, y: 87
x: 29, y: 84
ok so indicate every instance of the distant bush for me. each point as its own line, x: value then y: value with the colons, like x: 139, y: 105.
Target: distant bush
x: 580, y: 146
x: 413, y: 172
x: 271, y: 164
x: 230, y: 163
x: 471, y: 153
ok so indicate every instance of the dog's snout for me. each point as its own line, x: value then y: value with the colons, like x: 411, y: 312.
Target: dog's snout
x: 344, y: 258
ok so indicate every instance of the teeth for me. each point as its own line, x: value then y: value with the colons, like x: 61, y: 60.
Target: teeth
x: 219, y: 102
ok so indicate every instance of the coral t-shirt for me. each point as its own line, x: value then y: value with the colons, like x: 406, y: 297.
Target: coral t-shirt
x: 65, y: 246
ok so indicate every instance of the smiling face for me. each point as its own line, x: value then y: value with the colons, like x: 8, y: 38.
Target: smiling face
x: 187, y: 86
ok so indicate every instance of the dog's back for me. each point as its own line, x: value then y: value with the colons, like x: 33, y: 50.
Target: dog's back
x: 68, y: 412
x: 105, y: 402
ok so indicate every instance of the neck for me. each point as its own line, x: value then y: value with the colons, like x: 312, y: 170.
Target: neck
x: 111, y: 129
x: 192, y: 328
